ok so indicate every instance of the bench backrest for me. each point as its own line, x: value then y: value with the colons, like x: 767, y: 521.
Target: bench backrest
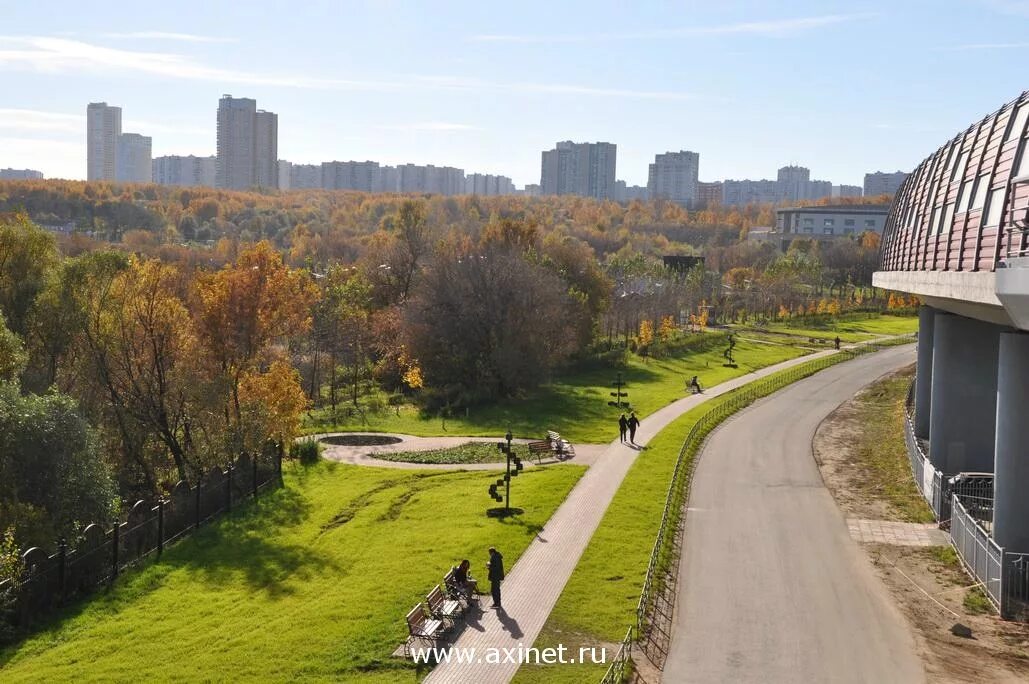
x: 416, y: 618
x: 553, y: 436
x: 435, y: 598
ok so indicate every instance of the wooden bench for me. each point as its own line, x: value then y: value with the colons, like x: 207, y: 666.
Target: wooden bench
x: 442, y: 608
x: 537, y: 449
x: 421, y: 627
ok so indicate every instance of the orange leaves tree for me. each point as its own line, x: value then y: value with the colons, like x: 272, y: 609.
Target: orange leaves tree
x: 246, y: 313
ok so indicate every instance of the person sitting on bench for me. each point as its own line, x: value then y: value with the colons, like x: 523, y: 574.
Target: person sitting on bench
x: 465, y: 583
x: 694, y: 385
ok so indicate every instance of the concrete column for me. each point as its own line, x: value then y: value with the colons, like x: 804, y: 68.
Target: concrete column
x: 924, y: 370
x: 1010, y: 499
x: 962, y: 423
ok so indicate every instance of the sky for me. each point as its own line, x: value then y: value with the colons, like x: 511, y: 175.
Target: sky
x: 843, y: 88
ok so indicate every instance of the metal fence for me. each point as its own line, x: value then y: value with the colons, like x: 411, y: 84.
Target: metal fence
x: 50, y: 580
x: 930, y: 482
x: 981, y: 555
x: 621, y: 669
x: 655, y: 609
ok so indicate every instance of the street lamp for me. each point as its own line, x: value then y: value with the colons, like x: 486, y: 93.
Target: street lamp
x: 512, y: 459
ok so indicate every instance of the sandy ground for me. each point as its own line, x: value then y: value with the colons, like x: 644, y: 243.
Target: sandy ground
x: 928, y: 591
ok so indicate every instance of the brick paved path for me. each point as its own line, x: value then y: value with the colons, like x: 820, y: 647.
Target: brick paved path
x: 537, y: 579
x: 896, y: 533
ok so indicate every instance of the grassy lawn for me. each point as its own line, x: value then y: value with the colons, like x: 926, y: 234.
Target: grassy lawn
x: 849, y: 328
x: 576, y: 405
x: 472, y: 452
x: 880, y: 452
x: 312, y: 586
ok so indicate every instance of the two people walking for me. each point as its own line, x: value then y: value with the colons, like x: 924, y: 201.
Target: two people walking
x: 628, y: 425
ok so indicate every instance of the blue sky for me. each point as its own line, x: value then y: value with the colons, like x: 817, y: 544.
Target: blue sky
x: 840, y: 87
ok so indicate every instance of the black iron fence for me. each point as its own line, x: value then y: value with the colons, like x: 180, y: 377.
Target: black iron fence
x: 50, y: 580
x: 655, y: 610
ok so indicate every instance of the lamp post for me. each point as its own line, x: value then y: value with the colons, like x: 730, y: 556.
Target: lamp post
x: 508, y: 473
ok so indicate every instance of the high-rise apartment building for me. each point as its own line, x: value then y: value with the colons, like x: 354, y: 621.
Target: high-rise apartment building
x: 881, y: 183
x: 586, y: 169
x: 627, y: 193
x: 709, y: 194
x: 846, y: 191
x: 20, y: 174
x: 186, y: 170
x: 793, y: 183
x: 741, y: 192
x: 305, y: 176
x: 674, y: 176
x: 248, y: 150
x: 103, y: 126
x: 351, y: 175
x: 266, y: 150
x: 285, y: 172
x: 487, y: 184
x: 134, y: 164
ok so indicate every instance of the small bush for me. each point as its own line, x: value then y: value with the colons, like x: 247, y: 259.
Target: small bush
x: 976, y: 602
x: 308, y: 451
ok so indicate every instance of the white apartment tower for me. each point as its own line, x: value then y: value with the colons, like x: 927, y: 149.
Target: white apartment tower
x: 188, y: 171
x: 134, y: 163
x: 103, y: 126
x: 674, y: 176
x: 247, y: 145
x: 586, y: 169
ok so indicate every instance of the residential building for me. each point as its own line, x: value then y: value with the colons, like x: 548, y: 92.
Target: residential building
x: 389, y: 179
x: 628, y: 193
x: 831, y: 221
x: 532, y: 190
x: 586, y: 169
x: 285, y: 170
x: 134, y: 164
x: 185, y: 170
x: 793, y: 183
x: 742, y: 192
x: 674, y: 176
x: 487, y: 184
x: 351, y: 175
x: 248, y: 149
x: 266, y: 149
x: 305, y: 176
x: 103, y: 126
x: 709, y: 194
x: 846, y: 191
x: 881, y: 183
x: 20, y: 174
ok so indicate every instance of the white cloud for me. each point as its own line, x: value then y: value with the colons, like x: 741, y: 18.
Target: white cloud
x: 31, y: 120
x: 776, y: 28
x: 165, y: 35
x: 60, y: 55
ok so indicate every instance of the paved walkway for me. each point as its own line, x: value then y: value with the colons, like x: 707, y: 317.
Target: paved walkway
x: 896, y: 533
x: 585, y: 454
x: 537, y: 579
x: 771, y: 586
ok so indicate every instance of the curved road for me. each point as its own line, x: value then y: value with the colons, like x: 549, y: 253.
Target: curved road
x: 771, y: 586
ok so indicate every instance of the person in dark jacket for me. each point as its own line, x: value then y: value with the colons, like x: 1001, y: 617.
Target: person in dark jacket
x: 623, y: 426
x: 496, y: 575
x: 464, y: 581
x: 634, y: 423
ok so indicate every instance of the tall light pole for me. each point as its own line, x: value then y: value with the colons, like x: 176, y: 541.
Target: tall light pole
x: 508, y: 473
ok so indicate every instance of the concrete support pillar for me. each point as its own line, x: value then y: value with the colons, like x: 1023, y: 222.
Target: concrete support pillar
x: 924, y: 371
x: 962, y: 423
x: 1010, y: 499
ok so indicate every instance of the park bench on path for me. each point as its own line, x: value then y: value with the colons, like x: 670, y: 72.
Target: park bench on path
x: 441, y: 607
x: 560, y: 448
x: 421, y: 627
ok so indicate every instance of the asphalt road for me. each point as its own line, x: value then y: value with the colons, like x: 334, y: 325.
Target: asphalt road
x: 771, y: 586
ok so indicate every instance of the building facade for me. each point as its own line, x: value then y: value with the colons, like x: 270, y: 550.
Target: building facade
x: 305, y: 176
x: 674, y: 176
x: 285, y: 173
x: 831, y: 220
x: 248, y: 148
x: 135, y: 164
x: 103, y: 126
x: 846, y: 191
x: 488, y: 184
x: 266, y: 149
x: 20, y: 174
x: 880, y: 183
x: 741, y: 192
x: 585, y: 169
x: 709, y: 194
x: 185, y: 170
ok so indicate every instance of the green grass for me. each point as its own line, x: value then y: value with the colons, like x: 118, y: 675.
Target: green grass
x: 881, y: 453
x: 852, y: 328
x: 471, y: 452
x: 576, y: 405
x: 976, y: 602
x: 313, y: 584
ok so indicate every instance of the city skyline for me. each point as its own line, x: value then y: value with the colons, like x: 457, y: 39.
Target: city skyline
x: 486, y: 88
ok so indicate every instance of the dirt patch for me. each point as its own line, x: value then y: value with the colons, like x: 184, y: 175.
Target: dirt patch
x: 861, y: 453
x: 360, y: 440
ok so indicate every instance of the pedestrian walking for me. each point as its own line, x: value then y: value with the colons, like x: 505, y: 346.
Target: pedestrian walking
x: 495, y: 566
x: 623, y: 426
x: 633, y: 423
x: 837, y: 341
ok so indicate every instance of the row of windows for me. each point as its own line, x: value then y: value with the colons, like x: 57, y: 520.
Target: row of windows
x: 869, y: 223
x: 829, y: 231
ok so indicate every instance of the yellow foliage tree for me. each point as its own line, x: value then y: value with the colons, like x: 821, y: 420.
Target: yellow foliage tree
x: 667, y: 328
x: 646, y: 336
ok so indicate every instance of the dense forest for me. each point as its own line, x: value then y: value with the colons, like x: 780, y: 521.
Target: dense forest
x: 150, y: 332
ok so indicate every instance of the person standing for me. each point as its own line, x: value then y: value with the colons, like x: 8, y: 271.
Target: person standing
x: 633, y: 423
x: 837, y: 341
x: 495, y: 566
x: 623, y: 426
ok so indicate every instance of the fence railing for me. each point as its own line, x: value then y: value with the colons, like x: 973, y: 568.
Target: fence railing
x: 655, y: 609
x: 932, y: 483
x: 621, y: 668
x: 50, y: 580
x: 981, y: 555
